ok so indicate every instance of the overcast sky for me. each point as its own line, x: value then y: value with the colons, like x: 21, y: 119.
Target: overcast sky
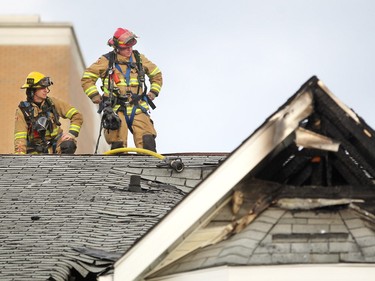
x: 228, y: 65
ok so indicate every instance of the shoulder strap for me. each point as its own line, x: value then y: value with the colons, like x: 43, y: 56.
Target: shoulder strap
x: 141, y: 71
x: 141, y: 78
x: 110, y: 57
x: 111, y: 60
x: 50, y: 103
x: 137, y: 56
x: 28, y: 111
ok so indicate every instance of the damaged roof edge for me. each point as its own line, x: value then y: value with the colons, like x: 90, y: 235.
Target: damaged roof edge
x: 214, y: 188
x: 345, y: 108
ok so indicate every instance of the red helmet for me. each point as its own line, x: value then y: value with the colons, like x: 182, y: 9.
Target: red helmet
x: 123, y: 38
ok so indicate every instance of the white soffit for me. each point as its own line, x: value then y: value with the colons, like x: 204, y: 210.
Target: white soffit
x: 145, y: 254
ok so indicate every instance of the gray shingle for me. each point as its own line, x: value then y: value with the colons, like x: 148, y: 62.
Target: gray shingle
x: 51, y: 205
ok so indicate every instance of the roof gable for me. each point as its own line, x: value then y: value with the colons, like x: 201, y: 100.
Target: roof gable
x: 312, y: 140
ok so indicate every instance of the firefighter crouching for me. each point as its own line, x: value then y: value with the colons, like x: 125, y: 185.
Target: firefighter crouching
x: 37, y: 127
x: 125, y: 103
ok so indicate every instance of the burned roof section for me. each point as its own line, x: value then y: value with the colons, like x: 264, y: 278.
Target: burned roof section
x: 309, y: 198
x: 332, y: 146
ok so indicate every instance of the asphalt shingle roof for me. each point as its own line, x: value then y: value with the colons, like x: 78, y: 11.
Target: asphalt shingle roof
x: 64, y: 215
x: 283, y: 237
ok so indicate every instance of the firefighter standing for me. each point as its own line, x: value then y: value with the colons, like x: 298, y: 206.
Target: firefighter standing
x: 122, y: 72
x: 37, y: 127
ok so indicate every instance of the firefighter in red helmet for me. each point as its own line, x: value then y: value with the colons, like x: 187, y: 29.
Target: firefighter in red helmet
x: 37, y: 127
x: 125, y: 99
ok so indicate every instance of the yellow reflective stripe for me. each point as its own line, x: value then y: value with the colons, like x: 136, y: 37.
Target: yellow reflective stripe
x: 121, y: 83
x: 133, y: 82
x: 20, y: 153
x: 71, y: 112
x: 105, y: 81
x: 75, y: 128
x: 129, y: 109
x: 91, y: 91
x: 90, y: 75
x: 55, y: 132
x: 20, y: 135
x: 154, y: 72
x: 138, y: 110
x: 156, y: 87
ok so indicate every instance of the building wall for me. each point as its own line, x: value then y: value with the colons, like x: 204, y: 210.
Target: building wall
x: 52, y: 49
x: 342, y: 272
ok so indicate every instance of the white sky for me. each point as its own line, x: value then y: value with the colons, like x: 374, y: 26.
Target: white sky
x: 228, y: 65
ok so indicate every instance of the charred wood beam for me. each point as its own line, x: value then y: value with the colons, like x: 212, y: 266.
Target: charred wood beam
x: 330, y: 130
x: 254, y: 188
x: 301, y: 177
x: 361, y: 197
x: 345, y: 172
x: 363, y: 135
x: 307, y: 167
x: 317, y: 176
x: 350, y: 169
x: 276, y: 163
x: 291, y: 168
x: 365, y: 192
x: 329, y: 171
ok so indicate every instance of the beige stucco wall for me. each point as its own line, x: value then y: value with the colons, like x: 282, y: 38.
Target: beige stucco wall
x: 53, y: 50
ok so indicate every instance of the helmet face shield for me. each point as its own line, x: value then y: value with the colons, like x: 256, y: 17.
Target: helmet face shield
x: 129, y: 43
x: 37, y: 80
x: 123, y: 38
x: 45, y: 82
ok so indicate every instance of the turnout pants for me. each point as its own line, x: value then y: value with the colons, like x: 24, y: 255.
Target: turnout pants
x: 142, y: 125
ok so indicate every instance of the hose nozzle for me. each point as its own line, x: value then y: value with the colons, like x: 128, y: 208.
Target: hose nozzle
x: 176, y: 164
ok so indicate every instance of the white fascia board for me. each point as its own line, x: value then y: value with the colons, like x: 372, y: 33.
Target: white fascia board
x: 342, y: 272
x: 150, y: 249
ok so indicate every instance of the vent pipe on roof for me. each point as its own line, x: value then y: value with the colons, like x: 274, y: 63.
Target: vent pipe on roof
x: 135, y: 183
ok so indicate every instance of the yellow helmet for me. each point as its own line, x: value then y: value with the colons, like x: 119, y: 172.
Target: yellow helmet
x: 36, y: 80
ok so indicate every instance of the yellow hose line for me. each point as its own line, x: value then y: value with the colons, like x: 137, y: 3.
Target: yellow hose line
x: 134, y: 149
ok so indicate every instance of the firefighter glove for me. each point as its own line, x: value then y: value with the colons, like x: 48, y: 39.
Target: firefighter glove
x: 97, y: 99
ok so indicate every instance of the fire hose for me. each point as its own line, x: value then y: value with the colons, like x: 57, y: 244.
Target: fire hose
x: 173, y: 162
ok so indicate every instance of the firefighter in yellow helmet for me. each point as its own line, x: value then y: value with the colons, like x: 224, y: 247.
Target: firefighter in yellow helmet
x: 124, y: 100
x: 37, y: 127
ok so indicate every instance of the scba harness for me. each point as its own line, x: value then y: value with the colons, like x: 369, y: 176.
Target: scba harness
x: 115, y: 97
x: 37, y: 126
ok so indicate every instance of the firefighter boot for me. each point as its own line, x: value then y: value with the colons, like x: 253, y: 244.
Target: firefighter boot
x: 117, y: 144
x: 149, y: 142
x: 68, y: 147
